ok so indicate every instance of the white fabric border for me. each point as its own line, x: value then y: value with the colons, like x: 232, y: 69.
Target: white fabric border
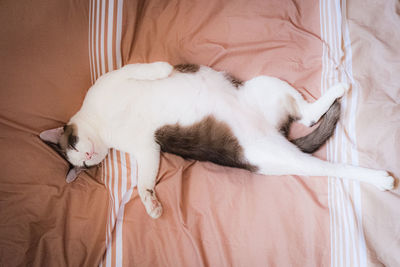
x: 348, y: 246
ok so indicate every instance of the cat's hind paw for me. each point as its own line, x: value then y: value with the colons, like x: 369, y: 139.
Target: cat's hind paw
x: 384, y: 181
x: 346, y: 86
x: 341, y: 89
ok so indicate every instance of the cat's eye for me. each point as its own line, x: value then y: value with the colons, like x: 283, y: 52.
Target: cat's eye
x: 73, y: 147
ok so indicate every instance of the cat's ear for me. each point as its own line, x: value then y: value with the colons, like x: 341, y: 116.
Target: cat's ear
x: 73, y: 173
x: 52, y: 135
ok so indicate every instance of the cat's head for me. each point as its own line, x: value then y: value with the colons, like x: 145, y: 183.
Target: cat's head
x: 78, y: 145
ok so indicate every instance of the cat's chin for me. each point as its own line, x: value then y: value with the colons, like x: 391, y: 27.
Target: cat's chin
x: 95, y: 161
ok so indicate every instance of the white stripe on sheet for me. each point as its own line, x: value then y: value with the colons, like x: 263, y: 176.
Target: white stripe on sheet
x: 118, y: 169
x: 352, y: 135
x: 118, y: 226
x: 111, y: 211
x: 102, y: 52
x: 90, y: 43
x: 344, y: 199
x: 118, y: 34
x: 91, y: 26
x: 96, y: 58
x: 110, y: 33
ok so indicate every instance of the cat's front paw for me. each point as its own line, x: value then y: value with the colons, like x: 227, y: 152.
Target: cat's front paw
x: 155, y: 211
x: 152, y: 205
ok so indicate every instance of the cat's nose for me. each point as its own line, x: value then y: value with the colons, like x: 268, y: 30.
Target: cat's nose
x: 89, y: 155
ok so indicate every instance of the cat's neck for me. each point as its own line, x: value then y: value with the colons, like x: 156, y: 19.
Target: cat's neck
x: 82, y: 118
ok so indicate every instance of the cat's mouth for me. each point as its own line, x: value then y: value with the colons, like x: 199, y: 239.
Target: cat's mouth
x: 92, y: 153
x: 90, y: 156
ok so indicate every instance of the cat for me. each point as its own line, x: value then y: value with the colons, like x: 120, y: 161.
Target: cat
x: 199, y: 113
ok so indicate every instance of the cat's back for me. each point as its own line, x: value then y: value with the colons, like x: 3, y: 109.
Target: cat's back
x: 198, y: 84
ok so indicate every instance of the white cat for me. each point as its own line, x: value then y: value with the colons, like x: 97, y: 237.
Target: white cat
x: 199, y: 113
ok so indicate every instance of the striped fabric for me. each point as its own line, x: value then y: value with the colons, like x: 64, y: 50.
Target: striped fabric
x: 105, y: 25
x: 119, y: 176
x: 348, y: 246
x: 118, y: 169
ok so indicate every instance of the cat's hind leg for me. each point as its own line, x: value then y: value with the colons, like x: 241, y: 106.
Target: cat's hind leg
x: 277, y: 100
x: 310, y: 113
x: 279, y: 157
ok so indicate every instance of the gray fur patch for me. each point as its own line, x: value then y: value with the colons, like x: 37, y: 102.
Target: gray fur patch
x: 69, y: 138
x: 313, y: 141
x: 285, y: 127
x: 233, y: 80
x: 207, y: 140
x: 187, y: 68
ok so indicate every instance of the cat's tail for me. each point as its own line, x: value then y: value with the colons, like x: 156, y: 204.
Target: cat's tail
x: 314, y: 140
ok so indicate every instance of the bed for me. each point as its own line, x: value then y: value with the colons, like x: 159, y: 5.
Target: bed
x: 51, y: 52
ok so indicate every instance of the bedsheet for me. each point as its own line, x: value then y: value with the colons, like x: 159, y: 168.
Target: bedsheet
x: 52, y: 51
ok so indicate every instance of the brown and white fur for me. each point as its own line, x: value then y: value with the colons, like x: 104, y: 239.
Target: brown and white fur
x: 199, y: 113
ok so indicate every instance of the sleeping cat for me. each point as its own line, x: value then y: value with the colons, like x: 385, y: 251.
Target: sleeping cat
x: 199, y: 113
